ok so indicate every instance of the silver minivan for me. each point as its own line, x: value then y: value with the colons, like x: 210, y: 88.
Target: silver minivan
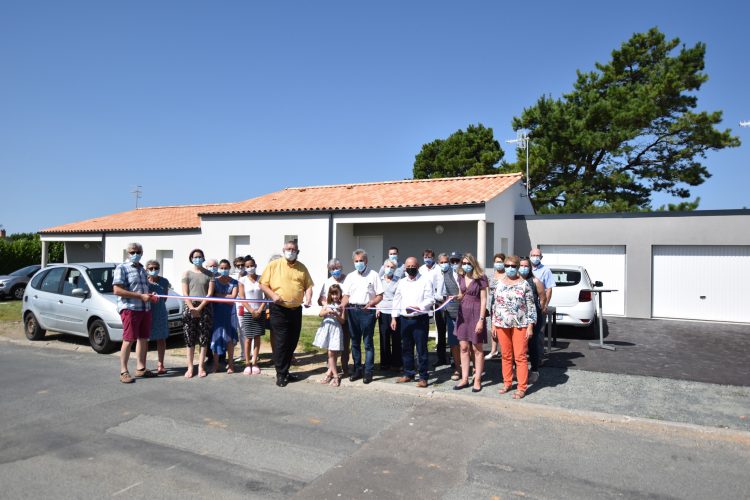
x: 78, y: 299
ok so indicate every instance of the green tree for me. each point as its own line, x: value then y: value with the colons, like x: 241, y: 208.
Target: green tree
x: 24, y: 249
x: 626, y: 130
x: 471, y: 152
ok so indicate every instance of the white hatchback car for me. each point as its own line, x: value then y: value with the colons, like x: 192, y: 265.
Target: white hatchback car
x: 78, y: 299
x: 572, y: 296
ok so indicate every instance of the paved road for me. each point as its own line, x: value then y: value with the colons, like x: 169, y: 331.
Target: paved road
x: 68, y: 429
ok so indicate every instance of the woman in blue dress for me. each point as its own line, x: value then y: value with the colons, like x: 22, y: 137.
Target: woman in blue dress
x: 159, y: 324
x: 224, y: 335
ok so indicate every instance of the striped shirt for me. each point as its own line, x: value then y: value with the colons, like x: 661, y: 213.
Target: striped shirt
x: 132, y: 278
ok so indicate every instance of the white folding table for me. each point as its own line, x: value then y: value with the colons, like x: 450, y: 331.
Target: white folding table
x: 601, y: 344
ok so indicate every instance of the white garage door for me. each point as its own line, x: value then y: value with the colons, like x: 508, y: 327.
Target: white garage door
x: 605, y: 263
x: 701, y: 282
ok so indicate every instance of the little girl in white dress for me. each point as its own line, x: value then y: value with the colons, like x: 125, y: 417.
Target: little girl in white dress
x: 330, y: 334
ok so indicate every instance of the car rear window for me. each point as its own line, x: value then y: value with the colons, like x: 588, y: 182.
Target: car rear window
x: 564, y: 277
x: 101, y: 277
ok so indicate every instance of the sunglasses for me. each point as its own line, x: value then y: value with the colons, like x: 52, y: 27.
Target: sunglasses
x: 133, y: 253
x: 511, y: 265
x: 153, y: 268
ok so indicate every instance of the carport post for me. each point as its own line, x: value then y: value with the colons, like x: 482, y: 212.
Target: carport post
x: 482, y: 243
x: 45, y: 253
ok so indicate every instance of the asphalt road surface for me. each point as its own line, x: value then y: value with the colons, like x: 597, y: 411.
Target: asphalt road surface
x: 69, y: 429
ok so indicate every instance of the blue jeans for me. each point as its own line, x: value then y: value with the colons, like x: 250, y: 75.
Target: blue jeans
x: 414, y: 334
x: 362, y: 328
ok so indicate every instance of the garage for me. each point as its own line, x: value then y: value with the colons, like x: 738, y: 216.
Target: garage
x: 701, y: 282
x: 605, y: 263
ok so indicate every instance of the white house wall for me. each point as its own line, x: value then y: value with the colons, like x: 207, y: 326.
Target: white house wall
x: 500, y: 211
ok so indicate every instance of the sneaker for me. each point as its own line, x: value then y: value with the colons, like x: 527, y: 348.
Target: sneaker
x: 247, y: 371
x: 256, y: 370
x: 533, y: 377
x: 492, y: 355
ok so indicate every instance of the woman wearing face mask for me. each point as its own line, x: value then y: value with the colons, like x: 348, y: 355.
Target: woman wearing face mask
x: 224, y: 335
x: 536, y: 344
x: 337, y: 277
x: 390, y: 338
x: 499, y: 272
x: 471, y: 325
x: 198, y: 318
x: 159, y: 324
x: 514, y: 315
x: 254, y: 316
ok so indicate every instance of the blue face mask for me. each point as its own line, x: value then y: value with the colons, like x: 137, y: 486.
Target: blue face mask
x: 155, y: 272
x: 467, y: 268
x: 336, y: 273
x: 499, y: 266
x: 213, y: 269
x: 135, y: 258
x: 511, y: 272
x: 428, y: 261
x: 454, y: 267
x: 444, y: 267
x: 388, y: 271
x: 394, y: 258
x: 359, y: 266
x: 198, y: 261
x: 535, y: 260
x: 524, y: 270
x: 224, y: 272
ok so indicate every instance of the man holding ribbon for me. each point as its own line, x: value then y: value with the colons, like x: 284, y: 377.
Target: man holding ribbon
x: 414, y: 297
x: 130, y: 284
x: 363, y: 290
x: 288, y: 284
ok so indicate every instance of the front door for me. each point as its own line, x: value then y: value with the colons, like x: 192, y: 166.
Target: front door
x: 373, y: 245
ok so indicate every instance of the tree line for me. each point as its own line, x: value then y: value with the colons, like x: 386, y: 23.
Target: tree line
x: 627, y: 129
x: 24, y: 249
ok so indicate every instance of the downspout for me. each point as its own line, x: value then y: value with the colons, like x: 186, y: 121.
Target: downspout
x: 330, y: 236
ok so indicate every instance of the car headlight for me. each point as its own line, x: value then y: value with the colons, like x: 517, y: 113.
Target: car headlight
x: 2, y: 283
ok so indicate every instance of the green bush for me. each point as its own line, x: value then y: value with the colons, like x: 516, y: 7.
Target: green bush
x: 24, y: 249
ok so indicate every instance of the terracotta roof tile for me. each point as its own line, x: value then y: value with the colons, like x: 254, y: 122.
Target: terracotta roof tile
x: 452, y: 191
x: 140, y: 219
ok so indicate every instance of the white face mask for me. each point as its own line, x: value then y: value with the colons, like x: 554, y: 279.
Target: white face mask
x: 250, y: 270
x: 290, y: 255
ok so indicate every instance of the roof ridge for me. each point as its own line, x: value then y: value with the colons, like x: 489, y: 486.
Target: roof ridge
x: 438, y: 179
x: 186, y: 206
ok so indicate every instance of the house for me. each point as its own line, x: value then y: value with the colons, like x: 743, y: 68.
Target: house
x: 474, y: 214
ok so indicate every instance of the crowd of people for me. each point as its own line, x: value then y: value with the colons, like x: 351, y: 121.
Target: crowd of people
x: 229, y: 303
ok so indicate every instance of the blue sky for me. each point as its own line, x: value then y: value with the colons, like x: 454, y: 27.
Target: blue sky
x: 202, y: 102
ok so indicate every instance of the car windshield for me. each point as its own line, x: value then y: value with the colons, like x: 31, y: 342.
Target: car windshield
x: 566, y: 277
x: 101, y: 277
x: 23, y: 271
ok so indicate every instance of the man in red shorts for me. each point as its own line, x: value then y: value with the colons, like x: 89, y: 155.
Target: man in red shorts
x: 130, y: 284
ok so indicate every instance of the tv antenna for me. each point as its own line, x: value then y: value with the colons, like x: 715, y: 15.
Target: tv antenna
x: 137, y: 193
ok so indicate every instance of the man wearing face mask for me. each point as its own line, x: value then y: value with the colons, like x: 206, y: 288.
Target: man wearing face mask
x: 130, y: 285
x: 363, y: 290
x: 413, y: 298
x: 441, y: 323
x: 213, y: 266
x: 432, y: 271
x: 543, y: 274
x: 288, y: 283
x: 393, y: 257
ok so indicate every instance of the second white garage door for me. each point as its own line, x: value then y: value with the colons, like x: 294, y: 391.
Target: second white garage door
x: 605, y: 263
x: 701, y: 282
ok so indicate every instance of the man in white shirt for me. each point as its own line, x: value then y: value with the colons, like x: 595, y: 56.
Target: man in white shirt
x: 362, y: 289
x: 413, y: 299
x: 432, y: 272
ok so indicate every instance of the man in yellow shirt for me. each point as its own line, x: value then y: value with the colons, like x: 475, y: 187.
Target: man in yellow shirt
x: 287, y: 282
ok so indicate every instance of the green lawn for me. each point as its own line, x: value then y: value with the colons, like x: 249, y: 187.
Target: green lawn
x: 10, y: 310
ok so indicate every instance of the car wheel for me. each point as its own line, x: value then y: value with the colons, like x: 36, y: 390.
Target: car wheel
x: 31, y: 327
x: 99, y: 337
x: 17, y: 292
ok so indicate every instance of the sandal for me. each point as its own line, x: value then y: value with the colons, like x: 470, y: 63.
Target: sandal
x: 335, y: 382
x: 145, y: 373
x: 505, y: 389
x: 326, y: 380
x: 519, y: 394
x: 256, y: 370
x: 230, y: 370
x: 161, y: 371
x: 125, y: 378
x: 456, y: 376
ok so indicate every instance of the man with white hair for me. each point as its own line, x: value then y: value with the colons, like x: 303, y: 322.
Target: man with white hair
x: 363, y: 289
x: 130, y: 284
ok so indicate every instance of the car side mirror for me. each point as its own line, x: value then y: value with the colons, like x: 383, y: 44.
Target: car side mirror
x: 80, y: 293
x: 598, y: 284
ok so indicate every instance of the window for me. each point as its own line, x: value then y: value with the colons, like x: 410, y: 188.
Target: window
x: 239, y: 246
x: 51, y: 281
x: 564, y: 277
x: 37, y: 281
x: 101, y: 277
x: 74, y: 280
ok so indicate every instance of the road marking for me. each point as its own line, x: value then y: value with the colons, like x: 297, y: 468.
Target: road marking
x: 126, y: 489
